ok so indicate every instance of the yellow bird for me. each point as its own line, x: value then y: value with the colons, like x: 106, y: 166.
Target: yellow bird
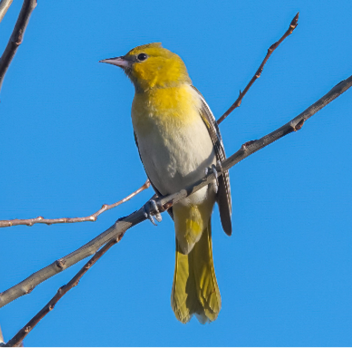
x: 178, y: 141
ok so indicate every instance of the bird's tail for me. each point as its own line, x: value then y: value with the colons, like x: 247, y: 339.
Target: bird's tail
x: 195, y: 289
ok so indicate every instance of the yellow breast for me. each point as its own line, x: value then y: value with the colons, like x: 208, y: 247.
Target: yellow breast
x: 165, y: 108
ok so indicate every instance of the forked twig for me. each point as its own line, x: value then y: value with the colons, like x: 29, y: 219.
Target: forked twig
x: 18, y: 338
x: 271, y: 49
x: 16, y: 37
x: 93, y: 217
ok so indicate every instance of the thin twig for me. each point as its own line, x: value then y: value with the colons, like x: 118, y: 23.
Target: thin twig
x: 18, y: 338
x: 16, y: 37
x: 93, y: 217
x: 271, y: 49
x: 164, y: 203
x: 4, y: 6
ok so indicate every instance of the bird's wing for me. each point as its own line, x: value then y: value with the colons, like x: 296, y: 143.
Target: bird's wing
x: 224, y: 191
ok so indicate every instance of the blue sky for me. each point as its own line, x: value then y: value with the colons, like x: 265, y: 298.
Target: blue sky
x: 67, y: 146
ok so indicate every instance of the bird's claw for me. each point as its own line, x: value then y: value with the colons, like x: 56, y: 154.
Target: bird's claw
x: 215, y: 172
x: 147, y: 211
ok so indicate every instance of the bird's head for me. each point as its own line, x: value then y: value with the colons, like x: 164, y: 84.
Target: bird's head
x: 152, y: 66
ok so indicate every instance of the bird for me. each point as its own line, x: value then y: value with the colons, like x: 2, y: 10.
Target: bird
x: 178, y: 141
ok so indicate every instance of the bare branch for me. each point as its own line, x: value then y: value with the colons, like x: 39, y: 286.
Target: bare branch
x: 16, y: 37
x: 271, y: 49
x: 93, y: 217
x: 164, y: 203
x: 4, y: 6
x: 18, y: 338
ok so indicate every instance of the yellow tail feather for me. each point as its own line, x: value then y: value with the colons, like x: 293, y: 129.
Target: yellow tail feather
x: 195, y: 289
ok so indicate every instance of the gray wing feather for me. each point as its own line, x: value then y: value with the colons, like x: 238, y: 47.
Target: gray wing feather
x: 224, y: 190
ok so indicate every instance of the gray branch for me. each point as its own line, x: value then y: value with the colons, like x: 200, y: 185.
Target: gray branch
x: 16, y: 36
x: 164, y: 203
x: 4, y: 6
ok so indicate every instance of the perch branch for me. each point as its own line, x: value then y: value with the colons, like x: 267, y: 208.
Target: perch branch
x: 18, y: 338
x: 271, y: 49
x: 4, y: 6
x: 121, y: 226
x: 16, y: 37
x: 93, y: 217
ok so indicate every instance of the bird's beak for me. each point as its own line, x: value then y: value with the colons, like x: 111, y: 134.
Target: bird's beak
x: 122, y: 62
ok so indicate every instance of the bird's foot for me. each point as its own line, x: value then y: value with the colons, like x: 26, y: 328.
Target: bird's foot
x: 148, y: 207
x: 213, y: 170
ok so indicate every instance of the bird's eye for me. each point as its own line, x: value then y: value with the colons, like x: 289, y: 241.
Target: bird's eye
x: 142, y: 56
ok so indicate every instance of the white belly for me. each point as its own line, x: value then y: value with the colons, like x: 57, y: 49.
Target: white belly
x: 174, y: 161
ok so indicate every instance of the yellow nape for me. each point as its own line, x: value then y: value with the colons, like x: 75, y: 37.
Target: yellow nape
x: 161, y: 69
x: 195, y: 289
